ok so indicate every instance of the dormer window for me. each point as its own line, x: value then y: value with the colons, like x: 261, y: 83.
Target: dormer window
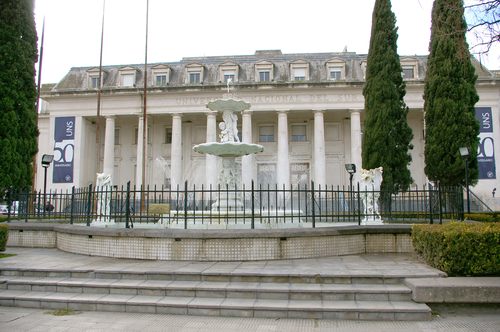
x: 194, y: 74
x: 228, y: 71
x: 93, y: 78
x: 335, y: 70
x: 264, y: 71
x: 128, y: 77
x: 409, y: 69
x: 161, y: 75
x: 299, y: 71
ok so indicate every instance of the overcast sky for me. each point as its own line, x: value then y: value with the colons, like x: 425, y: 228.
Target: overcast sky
x: 186, y: 28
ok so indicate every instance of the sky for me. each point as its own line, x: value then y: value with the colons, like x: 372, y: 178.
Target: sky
x: 190, y: 28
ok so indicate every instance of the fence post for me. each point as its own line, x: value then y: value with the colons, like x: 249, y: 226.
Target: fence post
x: 253, y: 206
x: 313, y: 203
x: 127, y: 206
x: 431, y: 219
x: 185, y: 203
x: 72, y: 206
x: 359, y: 207
x: 440, y: 205
x: 89, y: 205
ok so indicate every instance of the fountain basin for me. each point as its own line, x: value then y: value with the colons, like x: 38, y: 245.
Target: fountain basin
x: 228, y: 149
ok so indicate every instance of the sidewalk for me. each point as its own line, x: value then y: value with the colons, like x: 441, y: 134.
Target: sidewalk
x: 445, y: 318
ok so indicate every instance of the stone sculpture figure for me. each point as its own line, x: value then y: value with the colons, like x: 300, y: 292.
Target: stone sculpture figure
x: 103, y: 188
x: 231, y: 126
x: 370, y: 183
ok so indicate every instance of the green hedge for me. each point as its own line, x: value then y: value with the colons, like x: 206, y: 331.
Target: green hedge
x: 4, y: 235
x: 485, y: 216
x: 460, y: 248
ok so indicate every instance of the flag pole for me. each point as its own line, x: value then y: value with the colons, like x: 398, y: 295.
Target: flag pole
x: 99, y: 91
x: 144, y: 114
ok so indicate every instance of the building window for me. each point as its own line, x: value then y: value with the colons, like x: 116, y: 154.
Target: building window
x: 266, y: 133
x: 335, y: 74
x: 127, y: 80
x: 299, y: 74
x: 408, y: 72
x: 194, y: 77
x: 94, y: 82
x: 229, y: 75
x: 161, y: 80
x: 168, y: 135
x: 264, y: 76
x: 298, y: 133
x: 117, y: 136
x: 264, y: 71
x: 194, y: 74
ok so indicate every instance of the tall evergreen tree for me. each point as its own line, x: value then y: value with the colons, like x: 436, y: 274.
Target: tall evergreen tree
x: 387, y: 136
x: 18, y: 55
x: 450, y: 96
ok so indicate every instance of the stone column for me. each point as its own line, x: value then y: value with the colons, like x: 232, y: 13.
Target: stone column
x: 356, y: 141
x: 319, y: 150
x: 176, y: 152
x: 109, y: 147
x: 211, y: 161
x: 247, y: 162
x: 283, y: 165
x: 140, y: 147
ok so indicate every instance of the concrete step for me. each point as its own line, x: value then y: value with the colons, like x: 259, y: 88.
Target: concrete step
x: 342, y: 277
x: 270, y: 308
x: 215, y: 289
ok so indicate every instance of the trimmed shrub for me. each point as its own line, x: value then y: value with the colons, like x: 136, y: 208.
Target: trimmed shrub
x: 460, y: 249
x: 486, y: 216
x: 4, y: 235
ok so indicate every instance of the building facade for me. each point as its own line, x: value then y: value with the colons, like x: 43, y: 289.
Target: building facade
x: 307, y: 111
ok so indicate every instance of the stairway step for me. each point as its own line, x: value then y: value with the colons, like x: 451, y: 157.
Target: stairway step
x: 342, y: 277
x: 378, y: 310
x: 249, y: 290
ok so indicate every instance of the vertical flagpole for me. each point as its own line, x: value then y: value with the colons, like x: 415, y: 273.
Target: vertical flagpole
x: 99, y: 90
x: 37, y: 103
x: 144, y: 115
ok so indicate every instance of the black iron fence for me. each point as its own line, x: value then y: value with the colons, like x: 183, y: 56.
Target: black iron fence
x: 255, y: 207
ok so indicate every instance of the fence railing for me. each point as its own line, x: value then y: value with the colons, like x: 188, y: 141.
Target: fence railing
x: 223, y: 207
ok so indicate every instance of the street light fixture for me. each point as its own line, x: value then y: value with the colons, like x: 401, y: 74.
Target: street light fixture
x: 464, y: 153
x: 351, y: 169
x: 46, y: 161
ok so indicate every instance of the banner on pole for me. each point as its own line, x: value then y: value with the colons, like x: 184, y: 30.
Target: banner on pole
x: 64, y: 149
x: 486, y: 148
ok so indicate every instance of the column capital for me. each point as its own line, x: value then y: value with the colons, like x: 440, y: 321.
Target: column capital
x: 247, y: 112
x: 320, y: 111
x: 111, y: 116
x: 283, y: 111
x: 209, y: 113
x: 176, y: 115
x: 356, y: 110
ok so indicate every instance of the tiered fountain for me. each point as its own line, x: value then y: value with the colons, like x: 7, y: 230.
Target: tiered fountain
x: 229, y: 148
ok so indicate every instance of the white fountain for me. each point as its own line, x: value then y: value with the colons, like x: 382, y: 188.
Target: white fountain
x: 229, y: 148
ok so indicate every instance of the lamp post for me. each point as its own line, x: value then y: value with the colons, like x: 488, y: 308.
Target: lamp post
x: 46, y: 161
x: 351, y: 169
x: 464, y: 153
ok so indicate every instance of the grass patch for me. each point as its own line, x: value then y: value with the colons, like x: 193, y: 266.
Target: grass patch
x: 62, y: 312
x: 6, y: 255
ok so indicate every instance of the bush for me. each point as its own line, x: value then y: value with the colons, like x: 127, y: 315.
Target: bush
x: 4, y: 236
x: 486, y: 216
x: 460, y: 249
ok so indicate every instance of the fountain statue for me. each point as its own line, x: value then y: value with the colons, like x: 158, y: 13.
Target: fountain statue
x: 229, y: 148
x: 103, y: 188
x: 370, y: 183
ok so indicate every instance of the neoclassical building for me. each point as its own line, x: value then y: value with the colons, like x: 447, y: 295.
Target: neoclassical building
x: 306, y: 110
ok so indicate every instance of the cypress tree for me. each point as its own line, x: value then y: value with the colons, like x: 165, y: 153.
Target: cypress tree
x: 18, y: 55
x: 450, y: 96
x: 387, y: 136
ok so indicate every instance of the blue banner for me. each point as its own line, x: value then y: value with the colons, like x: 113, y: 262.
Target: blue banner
x: 64, y: 149
x: 486, y: 148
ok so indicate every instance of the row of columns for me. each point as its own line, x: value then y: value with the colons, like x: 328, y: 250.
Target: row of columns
x: 283, y: 162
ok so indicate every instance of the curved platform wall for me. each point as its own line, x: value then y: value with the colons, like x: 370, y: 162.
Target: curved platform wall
x: 214, y: 245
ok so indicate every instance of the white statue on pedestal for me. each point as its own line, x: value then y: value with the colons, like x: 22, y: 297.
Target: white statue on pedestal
x: 103, y: 189
x: 370, y: 183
